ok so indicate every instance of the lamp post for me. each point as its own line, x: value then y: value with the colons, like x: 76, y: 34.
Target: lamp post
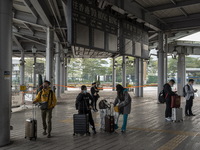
x: 34, y: 50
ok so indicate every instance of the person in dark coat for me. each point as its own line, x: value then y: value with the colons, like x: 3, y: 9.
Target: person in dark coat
x: 84, y: 103
x: 123, y: 101
x: 94, y: 91
x: 168, y: 93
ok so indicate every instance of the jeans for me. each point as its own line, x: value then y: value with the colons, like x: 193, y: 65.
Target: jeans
x: 188, y: 106
x: 168, y: 110
x: 46, y: 116
x: 125, y: 119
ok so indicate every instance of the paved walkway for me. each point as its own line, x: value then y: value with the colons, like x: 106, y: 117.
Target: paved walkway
x: 147, y: 129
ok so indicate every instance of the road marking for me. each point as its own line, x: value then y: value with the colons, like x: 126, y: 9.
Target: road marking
x: 173, y: 143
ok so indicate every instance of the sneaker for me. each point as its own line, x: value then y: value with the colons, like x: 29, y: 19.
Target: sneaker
x: 44, y: 133
x: 94, y: 131
x: 168, y: 119
x: 187, y: 115
x: 192, y: 115
x: 123, y: 131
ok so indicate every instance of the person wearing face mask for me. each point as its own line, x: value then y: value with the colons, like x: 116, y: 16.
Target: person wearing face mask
x: 84, y: 103
x: 46, y: 95
x: 168, y: 93
x: 189, y: 96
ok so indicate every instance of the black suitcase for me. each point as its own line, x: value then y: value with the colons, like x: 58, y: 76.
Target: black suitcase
x: 31, y: 126
x: 109, y: 123
x: 81, y: 124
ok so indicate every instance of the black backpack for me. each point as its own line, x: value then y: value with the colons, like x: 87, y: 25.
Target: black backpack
x: 184, y: 92
x: 161, y: 97
x: 103, y: 104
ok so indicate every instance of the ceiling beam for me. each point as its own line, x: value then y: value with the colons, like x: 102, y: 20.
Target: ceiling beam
x: 29, y: 39
x: 29, y: 28
x: 17, y: 42
x: 132, y: 7
x: 57, y: 10
x: 170, y: 5
x: 31, y: 8
x: 152, y: 36
x: 40, y: 10
x: 194, y: 24
x: 182, y: 18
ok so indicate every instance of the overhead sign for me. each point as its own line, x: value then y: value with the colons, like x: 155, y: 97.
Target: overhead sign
x: 92, y: 27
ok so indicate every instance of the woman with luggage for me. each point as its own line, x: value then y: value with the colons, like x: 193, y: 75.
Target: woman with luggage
x: 84, y: 103
x: 123, y: 101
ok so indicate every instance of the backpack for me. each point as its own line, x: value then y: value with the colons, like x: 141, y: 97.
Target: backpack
x: 184, y: 92
x: 103, y: 104
x: 161, y: 97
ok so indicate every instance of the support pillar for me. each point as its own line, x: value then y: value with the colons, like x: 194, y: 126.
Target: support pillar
x: 141, y: 82
x: 181, y: 74
x: 66, y: 73
x: 49, y: 56
x: 34, y: 72
x: 137, y: 77
x: 166, y: 59
x: 160, y: 63
x: 123, y: 71
x: 57, y: 68
x: 22, y: 67
x: 5, y: 70
x: 114, y: 75
x: 62, y: 72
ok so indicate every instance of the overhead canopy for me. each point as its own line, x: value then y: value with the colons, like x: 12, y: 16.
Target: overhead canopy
x: 31, y: 18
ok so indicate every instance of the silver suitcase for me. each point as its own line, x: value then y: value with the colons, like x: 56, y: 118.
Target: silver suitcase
x: 177, y: 114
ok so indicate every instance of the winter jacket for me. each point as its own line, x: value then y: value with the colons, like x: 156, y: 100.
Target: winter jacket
x: 43, y: 95
x: 168, y: 91
x: 83, y: 102
x: 125, y: 103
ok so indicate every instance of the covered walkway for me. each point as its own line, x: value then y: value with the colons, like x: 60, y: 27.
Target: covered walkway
x: 147, y: 129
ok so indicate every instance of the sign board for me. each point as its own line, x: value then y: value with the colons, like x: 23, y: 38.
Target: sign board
x: 92, y: 27
x: 22, y: 88
x: 39, y: 68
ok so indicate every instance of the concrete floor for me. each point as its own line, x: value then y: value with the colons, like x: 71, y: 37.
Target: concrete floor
x: 147, y: 129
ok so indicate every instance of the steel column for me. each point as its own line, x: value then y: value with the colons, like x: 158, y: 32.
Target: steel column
x: 22, y: 67
x: 123, y: 71
x: 49, y: 55
x: 66, y: 73
x: 34, y: 71
x: 114, y: 75
x: 137, y: 76
x: 57, y: 68
x: 141, y: 81
x: 181, y: 73
x: 160, y: 63
x: 5, y: 69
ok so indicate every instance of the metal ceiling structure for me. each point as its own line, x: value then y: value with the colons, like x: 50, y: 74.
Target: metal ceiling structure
x: 176, y: 18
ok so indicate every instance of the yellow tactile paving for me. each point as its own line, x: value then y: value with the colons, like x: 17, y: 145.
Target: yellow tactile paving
x: 173, y: 143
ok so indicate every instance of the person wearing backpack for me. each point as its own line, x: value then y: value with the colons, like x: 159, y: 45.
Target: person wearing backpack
x: 123, y: 101
x: 168, y: 93
x: 188, y: 92
x: 46, y: 97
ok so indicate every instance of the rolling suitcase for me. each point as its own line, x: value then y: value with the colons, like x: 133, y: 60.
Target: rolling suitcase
x: 31, y: 126
x: 177, y: 114
x: 175, y: 101
x: 81, y: 124
x: 109, y: 121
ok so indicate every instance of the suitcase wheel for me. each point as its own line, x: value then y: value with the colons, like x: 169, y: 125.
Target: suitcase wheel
x: 30, y: 139
x: 74, y: 134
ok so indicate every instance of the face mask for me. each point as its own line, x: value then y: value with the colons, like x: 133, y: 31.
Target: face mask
x: 45, y: 87
x: 85, y: 91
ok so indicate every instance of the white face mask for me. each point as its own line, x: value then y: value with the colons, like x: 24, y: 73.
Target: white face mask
x: 85, y: 91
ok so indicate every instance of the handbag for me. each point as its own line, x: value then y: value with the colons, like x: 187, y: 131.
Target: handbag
x: 116, y: 108
x: 44, y: 105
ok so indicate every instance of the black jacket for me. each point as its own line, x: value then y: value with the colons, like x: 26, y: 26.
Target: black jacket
x: 83, y: 102
x: 168, y: 91
x: 94, y: 91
